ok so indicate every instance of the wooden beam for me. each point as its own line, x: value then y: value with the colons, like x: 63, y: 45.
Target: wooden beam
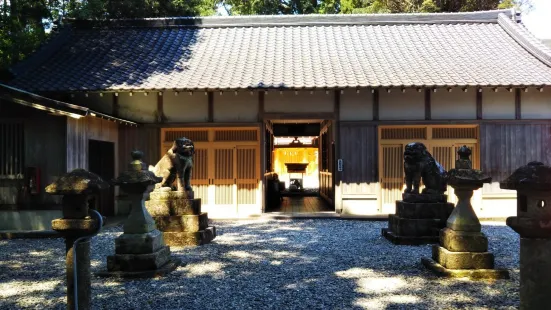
x: 261, y: 106
x: 517, y: 103
x: 427, y: 104
x: 211, y: 106
x: 299, y: 115
x: 478, y: 104
x: 116, y: 107
x: 375, y: 104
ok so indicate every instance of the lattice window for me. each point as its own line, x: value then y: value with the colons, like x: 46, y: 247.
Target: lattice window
x: 12, y: 150
x: 408, y: 133
x: 236, y: 135
x: 455, y: 133
x: 193, y: 135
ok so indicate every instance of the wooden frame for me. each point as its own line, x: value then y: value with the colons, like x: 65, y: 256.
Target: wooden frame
x: 209, y: 184
x: 429, y: 141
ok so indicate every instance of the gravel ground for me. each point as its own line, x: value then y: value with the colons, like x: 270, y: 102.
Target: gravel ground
x: 267, y: 264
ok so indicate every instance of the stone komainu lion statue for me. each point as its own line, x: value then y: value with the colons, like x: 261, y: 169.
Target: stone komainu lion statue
x: 176, y: 165
x: 419, y: 163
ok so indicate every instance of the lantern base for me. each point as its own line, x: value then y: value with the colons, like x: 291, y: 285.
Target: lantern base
x: 473, y: 274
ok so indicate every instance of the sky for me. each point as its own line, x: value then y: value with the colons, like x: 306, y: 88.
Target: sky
x: 538, y: 21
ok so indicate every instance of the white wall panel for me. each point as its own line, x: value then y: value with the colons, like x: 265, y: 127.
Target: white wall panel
x: 456, y: 104
x: 356, y: 107
x: 396, y: 105
x: 498, y: 105
x: 535, y: 104
x: 303, y: 101
x: 185, y: 107
x: 230, y: 107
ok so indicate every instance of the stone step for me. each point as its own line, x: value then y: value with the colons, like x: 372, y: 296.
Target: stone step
x: 463, y: 241
x: 139, y: 243
x: 179, y: 206
x: 190, y: 238
x: 424, y: 210
x: 181, y: 223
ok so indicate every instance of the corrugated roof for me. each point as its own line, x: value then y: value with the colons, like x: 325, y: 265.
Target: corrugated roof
x: 313, y: 51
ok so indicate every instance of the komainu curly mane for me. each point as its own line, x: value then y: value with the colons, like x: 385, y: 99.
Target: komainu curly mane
x: 419, y: 164
x: 176, y: 165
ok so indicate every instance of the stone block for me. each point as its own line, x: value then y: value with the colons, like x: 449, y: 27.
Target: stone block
x: 178, y: 206
x: 416, y: 198
x: 138, y: 262
x: 180, y: 223
x: 160, y: 194
x: 78, y: 226
x: 190, y: 238
x: 463, y: 241
x: 473, y: 274
x: 139, y: 243
x: 414, y: 227
x: 407, y: 240
x: 462, y: 260
x: 425, y: 210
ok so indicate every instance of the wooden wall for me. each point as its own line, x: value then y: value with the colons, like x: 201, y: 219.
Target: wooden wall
x: 145, y: 139
x: 507, y: 146
x: 79, y: 131
x: 44, y: 148
x: 358, y: 143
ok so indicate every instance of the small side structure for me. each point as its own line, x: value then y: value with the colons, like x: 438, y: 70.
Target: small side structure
x: 463, y: 248
x: 76, y: 188
x: 176, y: 211
x: 140, y: 252
x: 419, y: 216
x: 533, y: 223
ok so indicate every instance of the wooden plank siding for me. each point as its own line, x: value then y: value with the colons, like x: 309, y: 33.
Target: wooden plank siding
x: 145, y: 139
x: 505, y: 147
x: 359, y: 153
x: 80, y: 131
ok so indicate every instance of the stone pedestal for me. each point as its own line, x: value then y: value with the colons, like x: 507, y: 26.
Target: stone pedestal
x: 463, y: 249
x: 417, y: 222
x: 178, y: 216
x: 140, y: 252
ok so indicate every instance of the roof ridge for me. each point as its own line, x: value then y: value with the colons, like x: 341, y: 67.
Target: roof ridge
x: 526, y: 39
x: 290, y: 20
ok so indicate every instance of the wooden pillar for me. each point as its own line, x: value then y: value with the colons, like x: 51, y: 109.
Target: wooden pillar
x: 261, y: 106
x: 116, y: 106
x: 337, y: 183
x: 211, y: 106
x: 262, y: 149
x: 428, y: 114
x: 517, y: 103
x: 479, y: 103
x: 161, y: 118
x: 375, y: 104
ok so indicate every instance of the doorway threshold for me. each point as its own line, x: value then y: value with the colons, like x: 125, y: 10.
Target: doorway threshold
x: 301, y: 215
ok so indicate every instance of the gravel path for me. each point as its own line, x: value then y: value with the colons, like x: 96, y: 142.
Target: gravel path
x: 267, y: 264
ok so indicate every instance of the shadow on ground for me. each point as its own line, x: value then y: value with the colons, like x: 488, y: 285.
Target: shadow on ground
x: 263, y: 264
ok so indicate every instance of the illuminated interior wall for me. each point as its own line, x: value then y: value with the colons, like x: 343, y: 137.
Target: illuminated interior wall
x: 297, y: 155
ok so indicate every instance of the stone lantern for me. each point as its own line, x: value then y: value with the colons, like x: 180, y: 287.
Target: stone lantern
x: 140, y: 251
x: 463, y: 248
x: 533, y: 223
x: 76, y: 187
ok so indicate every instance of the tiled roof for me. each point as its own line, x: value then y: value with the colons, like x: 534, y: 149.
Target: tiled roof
x: 314, y: 51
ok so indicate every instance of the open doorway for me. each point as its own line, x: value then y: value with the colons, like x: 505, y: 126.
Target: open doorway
x: 101, y: 161
x: 295, y: 153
